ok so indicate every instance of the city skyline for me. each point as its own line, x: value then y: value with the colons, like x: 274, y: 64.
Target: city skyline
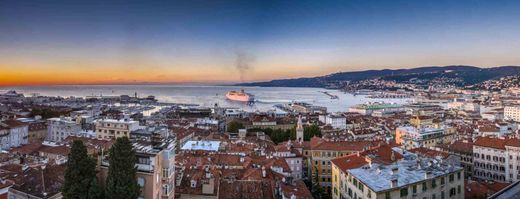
x: 237, y: 41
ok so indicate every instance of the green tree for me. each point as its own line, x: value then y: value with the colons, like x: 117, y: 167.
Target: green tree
x: 234, y: 126
x: 80, y: 174
x: 311, y: 131
x: 122, y: 177
x: 95, y: 191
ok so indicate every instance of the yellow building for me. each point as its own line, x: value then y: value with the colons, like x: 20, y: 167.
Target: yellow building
x: 112, y: 129
x: 320, y: 152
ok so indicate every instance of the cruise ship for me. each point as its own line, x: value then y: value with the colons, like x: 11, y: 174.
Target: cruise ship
x: 240, y: 96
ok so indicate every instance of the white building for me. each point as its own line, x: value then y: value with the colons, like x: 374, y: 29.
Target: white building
x: 371, y: 107
x: 293, y: 158
x: 512, y: 113
x: 60, y: 128
x: 13, y: 133
x: 496, y: 159
x: 336, y: 121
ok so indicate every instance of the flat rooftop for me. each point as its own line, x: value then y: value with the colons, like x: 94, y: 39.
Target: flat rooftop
x: 202, y: 145
x: 410, y: 171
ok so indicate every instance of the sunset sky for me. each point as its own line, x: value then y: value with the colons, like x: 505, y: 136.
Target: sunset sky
x: 66, y: 42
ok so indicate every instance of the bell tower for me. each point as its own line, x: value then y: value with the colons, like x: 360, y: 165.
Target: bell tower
x: 299, y: 130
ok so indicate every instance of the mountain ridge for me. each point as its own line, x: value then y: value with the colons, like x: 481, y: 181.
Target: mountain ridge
x: 464, y: 74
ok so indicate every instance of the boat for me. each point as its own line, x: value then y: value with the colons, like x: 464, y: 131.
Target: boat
x: 240, y: 96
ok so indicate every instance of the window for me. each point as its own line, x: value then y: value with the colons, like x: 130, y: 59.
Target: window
x: 424, y: 188
x: 354, y: 182
x: 458, y: 189
x: 404, y: 192
x: 140, y: 181
x: 433, y: 183
x: 453, y: 192
x: 433, y: 196
x: 458, y: 175
x: 452, y: 177
x: 442, y: 180
x: 414, y: 189
x: 387, y: 195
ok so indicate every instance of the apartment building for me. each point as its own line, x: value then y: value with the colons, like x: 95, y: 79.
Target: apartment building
x: 385, y: 172
x: 512, y: 113
x: 335, y: 121
x: 320, y: 152
x: 62, y: 127
x: 155, y: 169
x: 411, y: 137
x: 112, y: 129
x: 13, y: 133
x: 496, y: 159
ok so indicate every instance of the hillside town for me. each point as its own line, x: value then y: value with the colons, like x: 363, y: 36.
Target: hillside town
x: 456, y: 144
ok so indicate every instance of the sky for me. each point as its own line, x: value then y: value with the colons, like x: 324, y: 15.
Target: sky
x: 213, y: 42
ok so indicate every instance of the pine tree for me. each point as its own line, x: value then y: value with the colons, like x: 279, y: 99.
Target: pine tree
x: 81, y: 170
x: 122, y: 178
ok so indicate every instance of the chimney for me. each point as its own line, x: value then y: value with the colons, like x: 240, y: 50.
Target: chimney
x: 428, y: 175
x: 393, y: 183
x: 395, y: 171
x: 264, y: 173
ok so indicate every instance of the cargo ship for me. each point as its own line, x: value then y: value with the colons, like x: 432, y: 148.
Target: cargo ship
x: 240, y: 96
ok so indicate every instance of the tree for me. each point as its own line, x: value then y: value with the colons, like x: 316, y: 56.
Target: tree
x: 234, y: 126
x: 95, y: 191
x: 122, y: 177
x: 80, y: 175
x: 311, y: 131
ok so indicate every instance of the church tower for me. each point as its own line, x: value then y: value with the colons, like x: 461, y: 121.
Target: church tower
x: 299, y: 130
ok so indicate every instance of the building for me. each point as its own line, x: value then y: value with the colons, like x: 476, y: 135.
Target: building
x: 155, y: 169
x: 13, y: 133
x: 411, y: 137
x: 496, y: 159
x: 463, y: 149
x: 385, y: 172
x: 335, y: 121
x: 112, y: 129
x: 292, y: 156
x: 381, y: 108
x: 299, y: 130
x: 320, y: 152
x: 37, y: 131
x: 304, y: 108
x: 512, y: 113
x: 61, y: 128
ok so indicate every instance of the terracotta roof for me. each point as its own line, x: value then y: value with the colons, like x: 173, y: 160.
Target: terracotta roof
x: 320, y: 144
x: 299, y: 190
x: 12, y: 124
x: 497, y: 143
x: 381, y: 154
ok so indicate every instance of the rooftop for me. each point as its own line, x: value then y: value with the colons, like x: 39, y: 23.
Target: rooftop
x: 410, y: 170
x: 202, y: 145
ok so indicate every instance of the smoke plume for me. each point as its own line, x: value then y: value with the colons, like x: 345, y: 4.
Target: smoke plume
x: 243, y: 63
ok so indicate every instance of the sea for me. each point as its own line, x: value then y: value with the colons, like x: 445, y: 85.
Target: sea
x: 209, y: 96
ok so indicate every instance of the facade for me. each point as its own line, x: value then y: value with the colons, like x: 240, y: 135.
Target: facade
x: 512, y: 113
x: 463, y: 149
x: 411, y: 137
x: 382, y: 108
x: 112, y: 129
x: 321, y: 152
x: 497, y: 159
x: 61, y: 128
x: 293, y: 157
x: 13, y: 133
x: 155, y: 169
x: 335, y: 121
x: 385, y: 172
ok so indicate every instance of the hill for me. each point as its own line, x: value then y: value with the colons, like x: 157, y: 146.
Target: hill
x: 453, y: 75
